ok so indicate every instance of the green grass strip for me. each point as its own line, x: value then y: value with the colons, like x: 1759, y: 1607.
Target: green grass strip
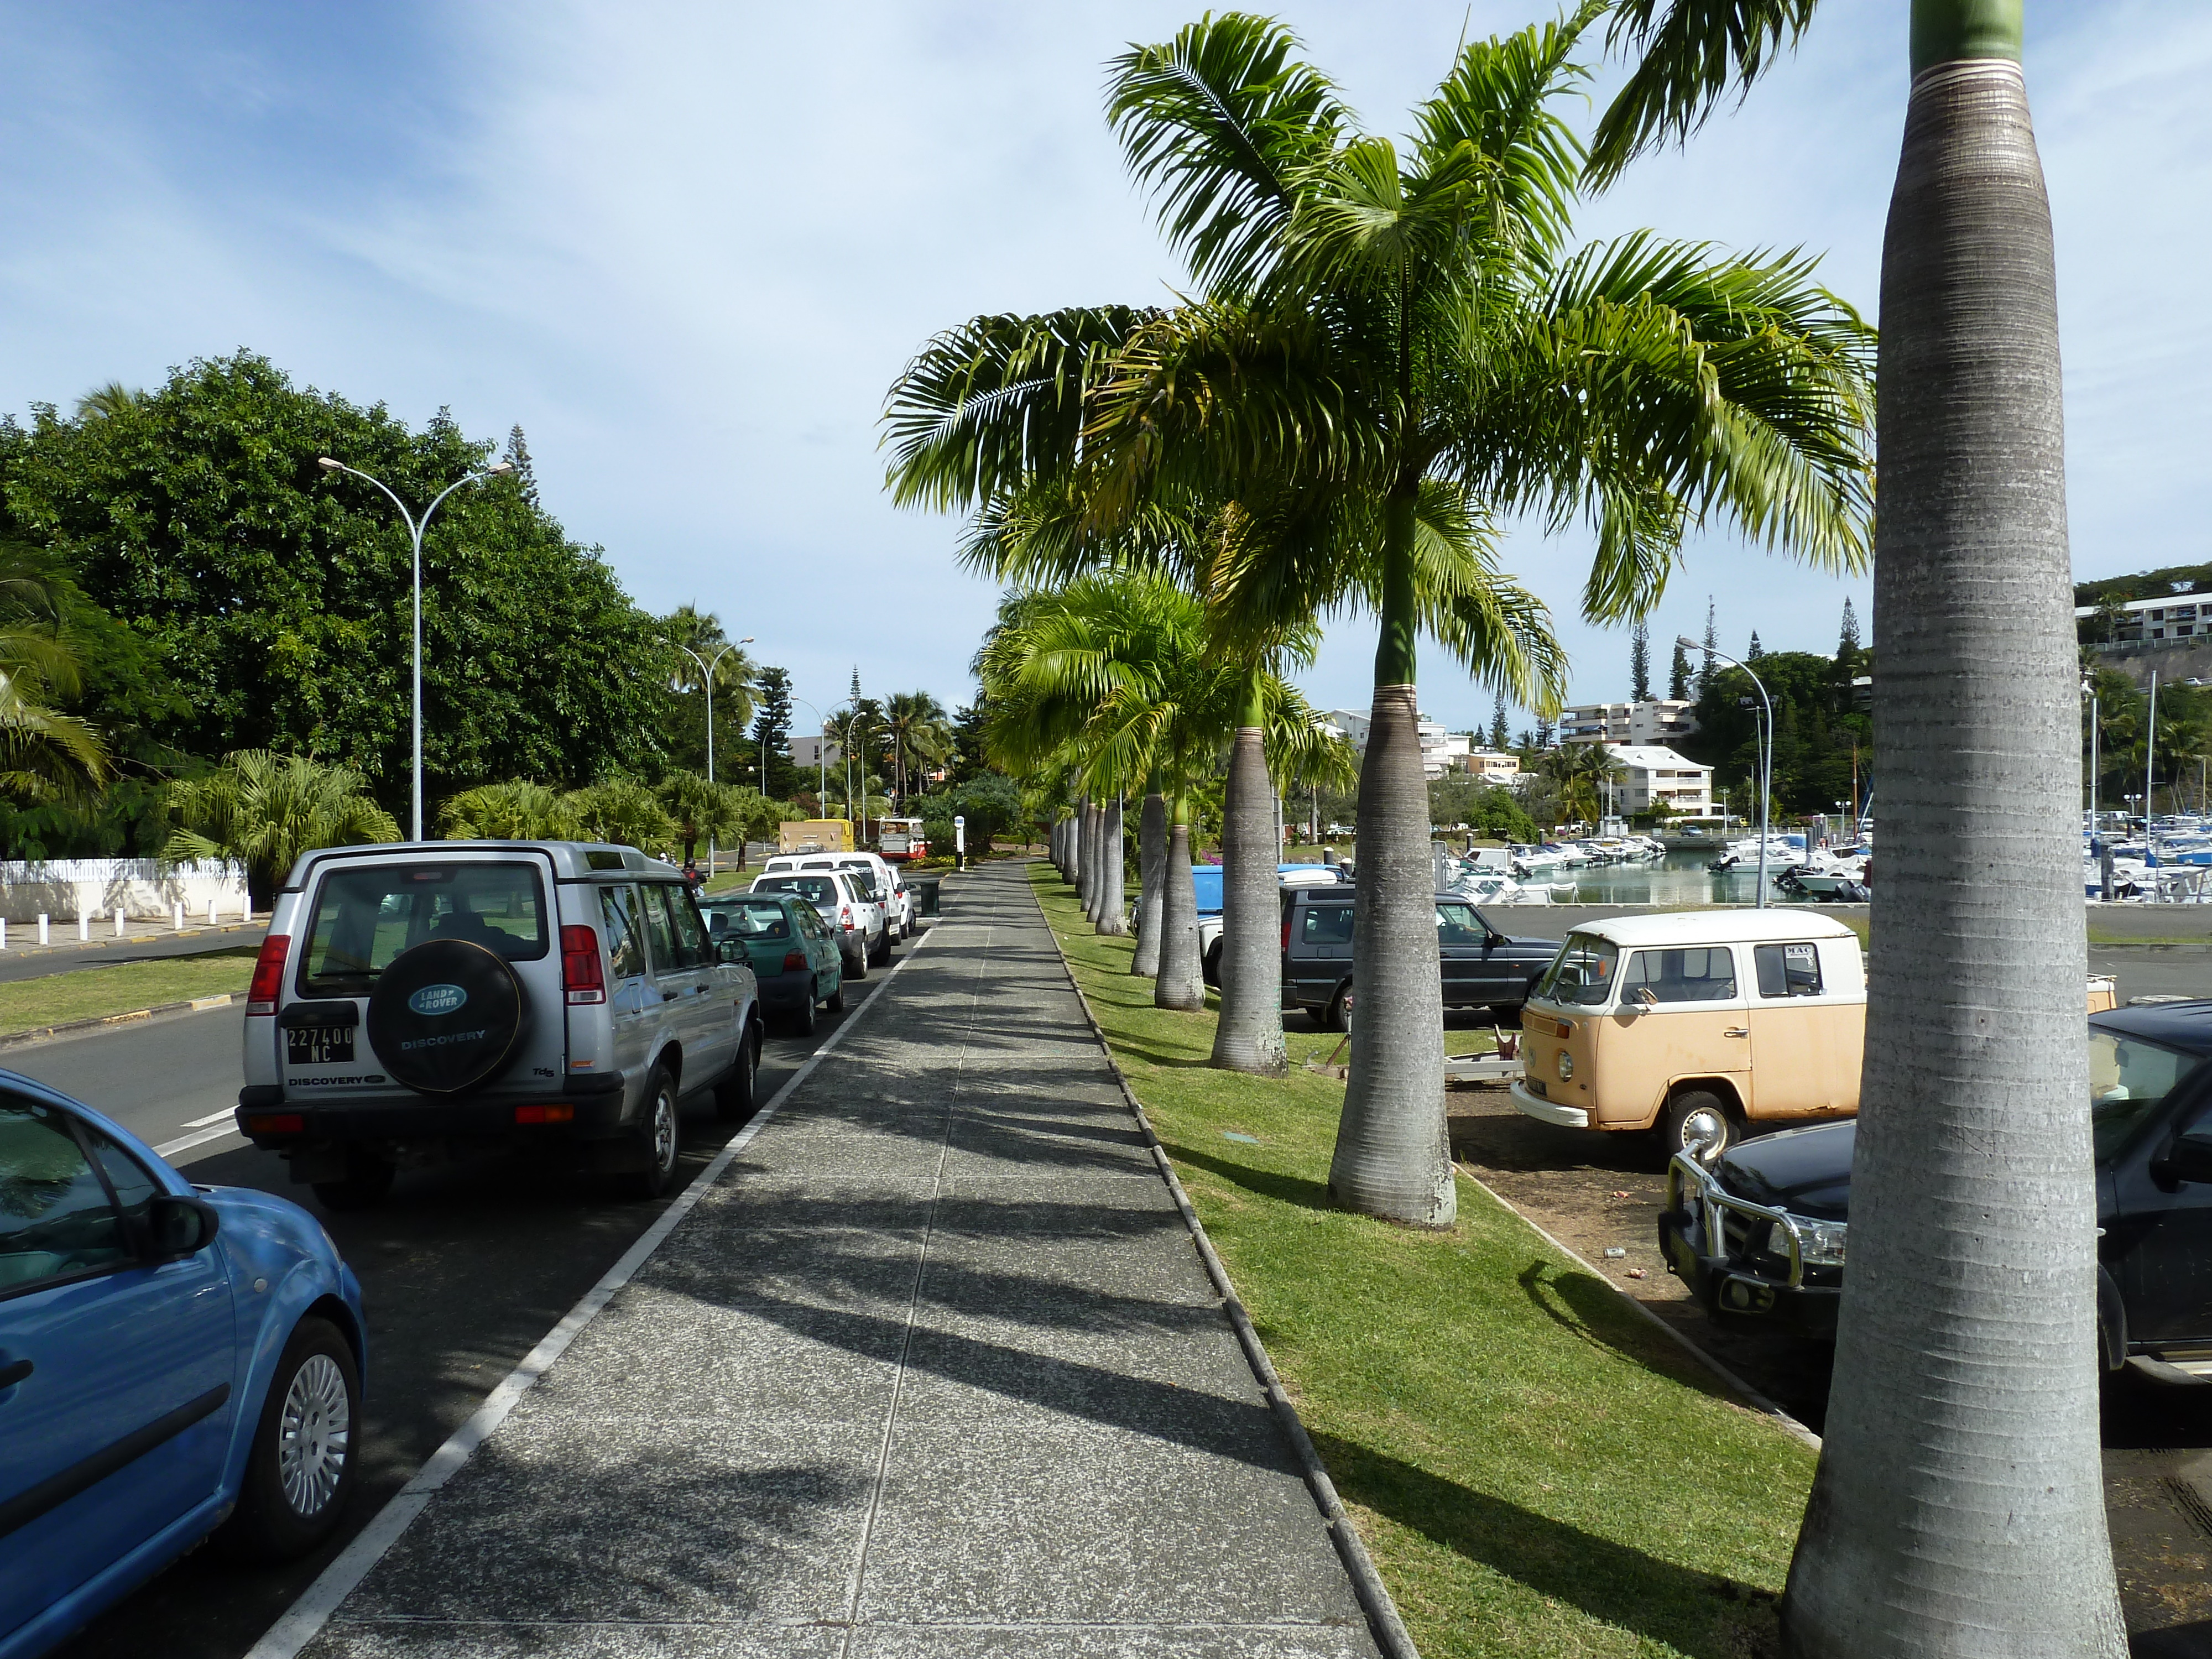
x: 1535, y: 1469
x: 121, y: 989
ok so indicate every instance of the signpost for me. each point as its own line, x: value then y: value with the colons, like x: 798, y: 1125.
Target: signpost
x: 960, y: 842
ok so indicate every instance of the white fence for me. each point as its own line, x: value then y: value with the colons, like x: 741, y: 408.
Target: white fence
x: 143, y: 889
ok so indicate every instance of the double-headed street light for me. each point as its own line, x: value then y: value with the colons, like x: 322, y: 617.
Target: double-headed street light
x: 415, y: 528
x: 707, y: 668
x: 821, y: 757
x: 1766, y: 759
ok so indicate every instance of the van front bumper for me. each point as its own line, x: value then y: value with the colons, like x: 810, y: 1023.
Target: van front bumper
x: 1548, y: 1111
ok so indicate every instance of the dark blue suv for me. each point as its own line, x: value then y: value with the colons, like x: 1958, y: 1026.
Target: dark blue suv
x: 175, y: 1361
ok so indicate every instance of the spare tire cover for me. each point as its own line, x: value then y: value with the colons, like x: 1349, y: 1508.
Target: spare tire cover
x: 446, y: 1016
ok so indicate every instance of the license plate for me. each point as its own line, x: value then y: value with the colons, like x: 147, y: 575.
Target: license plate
x: 318, y: 1045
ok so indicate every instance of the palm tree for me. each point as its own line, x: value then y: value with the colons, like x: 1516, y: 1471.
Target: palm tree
x: 1959, y: 1505
x: 264, y: 811
x: 734, y: 670
x: 1582, y: 774
x: 697, y: 809
x: 46, y: 755
x: 623, y: 811
x: 517, y: 809
x: 1390, y: 352
x: 916, y: 723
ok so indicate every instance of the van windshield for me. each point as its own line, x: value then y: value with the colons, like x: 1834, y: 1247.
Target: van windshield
x: 364, y: 917
x: 1581, y: 976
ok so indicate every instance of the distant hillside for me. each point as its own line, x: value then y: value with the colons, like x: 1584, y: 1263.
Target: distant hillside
x: 2151, y: 585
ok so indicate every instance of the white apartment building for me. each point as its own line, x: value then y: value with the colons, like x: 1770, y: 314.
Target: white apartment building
x: 1439, y: 748
x: 1656, y: 773
x: 807, y: 750
x: 2176, y: 617
x: 1656, y: 720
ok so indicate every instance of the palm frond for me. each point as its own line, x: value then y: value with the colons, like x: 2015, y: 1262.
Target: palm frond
x: 1690, y: 53
x: 1219, y: 120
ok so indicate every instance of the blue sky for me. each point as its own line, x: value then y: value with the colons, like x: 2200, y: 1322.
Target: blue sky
x: 687, y: 247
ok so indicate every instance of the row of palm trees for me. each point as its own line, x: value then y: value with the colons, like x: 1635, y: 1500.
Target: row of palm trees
x: 1384, y: 354
x: 1113, y: 685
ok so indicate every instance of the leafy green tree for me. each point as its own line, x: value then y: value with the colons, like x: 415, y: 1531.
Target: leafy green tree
x: 700, y: 809
x: 46, y: 756
x: 992, y: 803
x: 272, y: 599
x: 624, y: 812
x: 694, y: 636
x: 264, y: 811
x: 1959, y: 1505
x: 914, y: 723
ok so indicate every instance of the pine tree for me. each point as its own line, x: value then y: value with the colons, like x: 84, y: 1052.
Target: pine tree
x: 1712, y: 644
x: 1639, y: 664
x: 518, y: 457
x: 1678, y: 675
x: 771, y: 732
x: 1543, y: 734
x: 1498, y: 729
x: 1851, y: 637
x: 1756, y: 650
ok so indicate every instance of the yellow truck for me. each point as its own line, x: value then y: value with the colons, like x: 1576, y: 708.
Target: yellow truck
x: 816, y: 835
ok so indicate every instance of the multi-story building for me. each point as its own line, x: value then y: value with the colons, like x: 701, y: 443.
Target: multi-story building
x: 2176, y: 617
x: 809, y: 751
x: 1439, y: 748
x: 1491, y: 765
x: 1652, y: 773
x: 1656, y: 720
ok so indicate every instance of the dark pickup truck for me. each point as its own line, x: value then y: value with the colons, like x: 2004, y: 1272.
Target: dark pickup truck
x: 1761, y: 1235
x: 1482, y: 967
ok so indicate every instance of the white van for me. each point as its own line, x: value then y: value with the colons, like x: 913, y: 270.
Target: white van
x: 898, y: 907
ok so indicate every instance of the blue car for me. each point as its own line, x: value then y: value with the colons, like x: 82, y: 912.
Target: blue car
x: 175, y: 1361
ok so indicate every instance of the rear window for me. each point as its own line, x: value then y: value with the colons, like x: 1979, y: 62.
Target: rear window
x: 1328, y: 924
x: 762, y: 920
x: 815, y: 890
x: 1787, y: 970
x: 366, y: 916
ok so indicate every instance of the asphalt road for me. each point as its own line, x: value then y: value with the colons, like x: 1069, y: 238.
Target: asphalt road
x: 463, y: 1270
x: 17, y: 963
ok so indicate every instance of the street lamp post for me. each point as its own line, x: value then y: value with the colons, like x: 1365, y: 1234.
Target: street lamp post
x: 707, y: 668
x: 1766, y: 756
x: 2089, y: 690
x: 415, y: 528
x: 821, y: 754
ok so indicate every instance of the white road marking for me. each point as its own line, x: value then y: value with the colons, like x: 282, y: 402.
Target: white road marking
x: 184, y: 1143
x: 222, y: 1116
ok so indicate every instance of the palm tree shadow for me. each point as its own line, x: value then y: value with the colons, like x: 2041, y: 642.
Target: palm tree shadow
x: 1697, y: 1613
x: 1591, y: 1309
x: 1288, y: 1189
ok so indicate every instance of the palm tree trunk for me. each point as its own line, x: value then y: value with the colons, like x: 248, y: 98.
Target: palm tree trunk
x: 1088, y: 888
x: 1078, y: 847
x: 1180, y: 984
x: 1113, y: 872
x: 1062, y: 857
x: 1958, y: 1507
x: 1250, y: 1036
x: 1392, y: 1155
x: 1151, y: 863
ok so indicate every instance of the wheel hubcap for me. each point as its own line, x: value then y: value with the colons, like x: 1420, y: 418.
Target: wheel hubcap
x: 1703, y: 1132
x: 664, y: 1130
x: 313, y: 1434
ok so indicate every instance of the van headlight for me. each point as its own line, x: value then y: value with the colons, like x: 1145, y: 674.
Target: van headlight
x: 1567, y: 1064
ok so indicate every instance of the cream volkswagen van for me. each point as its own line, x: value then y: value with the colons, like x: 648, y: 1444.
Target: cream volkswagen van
x: 1696, y: 1023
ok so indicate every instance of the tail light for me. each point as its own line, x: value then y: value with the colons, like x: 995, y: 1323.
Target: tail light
x: 281, y: 1123
x: 1286, y: 933
x: 582, y: 976
x: 268, y: 974
x: 793, y: 960
x: 845, y: 915
x: 562, y: 1113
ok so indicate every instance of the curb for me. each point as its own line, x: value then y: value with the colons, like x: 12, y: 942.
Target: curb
x: 102, y: 1022
x: 1388, y: 1628
x: 64, y: 947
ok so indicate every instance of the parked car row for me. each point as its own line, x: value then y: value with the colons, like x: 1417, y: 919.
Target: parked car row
x: 180, y: 1362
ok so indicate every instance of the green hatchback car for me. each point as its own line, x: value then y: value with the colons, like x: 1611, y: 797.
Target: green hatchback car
x: 793, y: 955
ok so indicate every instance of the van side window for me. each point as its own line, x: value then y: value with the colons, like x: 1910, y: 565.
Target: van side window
x: 1788, y: 971
x: 1698, y: 973
x: 1328, y: 924
x: 625, y: 949
x: 660, y: 937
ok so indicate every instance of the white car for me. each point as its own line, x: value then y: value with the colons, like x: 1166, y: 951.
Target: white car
x: 855, y: 922
x: 889, y: 883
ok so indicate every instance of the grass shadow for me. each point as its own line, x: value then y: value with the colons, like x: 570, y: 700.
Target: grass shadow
x: 1286, y: 1189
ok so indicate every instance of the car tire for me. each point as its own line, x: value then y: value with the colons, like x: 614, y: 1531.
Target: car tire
x: 734, y: 1094
x: 882, y: 951
x: 1337, y: 1017
x: 835, y: 1002
x: 801, y: 1019
x: 300, y: 1471
x: 856, y: 965
x: 661, y: 1132
x: 1697, y: 1117
x: 367, y: 1183
x: 1210, y: 969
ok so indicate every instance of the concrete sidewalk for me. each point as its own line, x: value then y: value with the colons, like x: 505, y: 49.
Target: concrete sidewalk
x: 933, y: 1370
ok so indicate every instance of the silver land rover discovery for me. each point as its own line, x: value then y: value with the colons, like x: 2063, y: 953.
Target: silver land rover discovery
x: 416, y: 1000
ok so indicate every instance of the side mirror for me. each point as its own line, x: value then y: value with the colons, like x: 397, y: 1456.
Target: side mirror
x: 1644, y: 997
x: 730, y: 951
x: 2192, y: 1157
x: 179, y: 1227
